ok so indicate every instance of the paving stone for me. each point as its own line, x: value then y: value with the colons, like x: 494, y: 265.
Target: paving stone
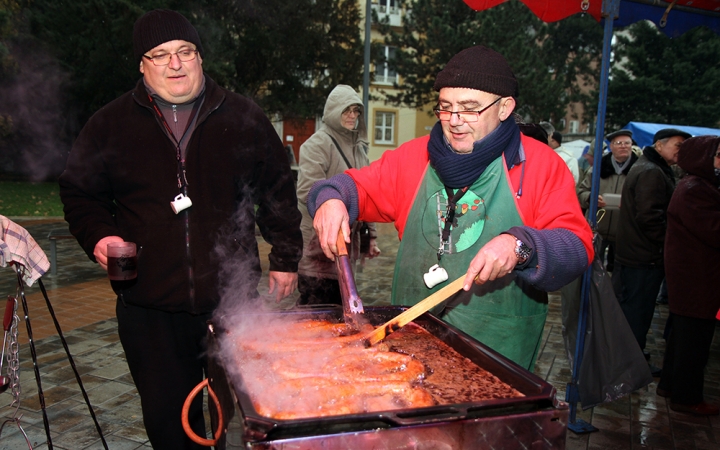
x: 641, y: 420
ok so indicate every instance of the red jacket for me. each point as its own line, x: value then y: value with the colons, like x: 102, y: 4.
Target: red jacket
x: 546, y: 199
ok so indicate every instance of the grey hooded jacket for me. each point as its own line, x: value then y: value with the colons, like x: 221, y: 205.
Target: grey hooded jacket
x: 321, y: 159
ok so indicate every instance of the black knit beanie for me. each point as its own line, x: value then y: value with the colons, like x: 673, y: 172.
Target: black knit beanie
x: 159, y: 26
x: 479, y: 68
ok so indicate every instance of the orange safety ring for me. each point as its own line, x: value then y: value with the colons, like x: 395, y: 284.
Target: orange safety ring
x: 186, y: 409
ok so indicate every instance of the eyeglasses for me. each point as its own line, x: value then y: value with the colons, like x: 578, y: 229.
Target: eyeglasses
x: 467, y: 116
x: 356, y: 111
x: 164, y: 59
x: 622, y: 143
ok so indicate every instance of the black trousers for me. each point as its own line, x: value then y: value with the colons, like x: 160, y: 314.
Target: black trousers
x: 638, y: 290
x: 166, y: 355
x: 315, y: 291
x: 686, y: 355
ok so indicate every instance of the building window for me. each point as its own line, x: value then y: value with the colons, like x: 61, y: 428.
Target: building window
x: 574, y: 126
x: 388, y: 11
x: 384, y: 74
x: 384, y: 127
x: 387, y: 6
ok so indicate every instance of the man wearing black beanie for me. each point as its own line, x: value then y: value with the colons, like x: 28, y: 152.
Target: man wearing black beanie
x: 485, y: 203
x: 177, y: 166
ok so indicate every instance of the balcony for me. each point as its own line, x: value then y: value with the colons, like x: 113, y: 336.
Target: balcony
x: 393, y: 14
x: 385, y: 79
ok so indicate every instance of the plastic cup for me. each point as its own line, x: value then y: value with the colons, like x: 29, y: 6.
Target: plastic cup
x: 122, y: 261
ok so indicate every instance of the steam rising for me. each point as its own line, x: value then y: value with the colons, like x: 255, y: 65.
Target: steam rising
x: 32, y: 141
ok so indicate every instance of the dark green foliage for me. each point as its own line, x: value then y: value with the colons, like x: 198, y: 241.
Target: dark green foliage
x: 436, y: 30
x: 288, y: 56
x: 92, y: 39
x: 285, y: 55
x: 662, y: 80
x: 573, y: 50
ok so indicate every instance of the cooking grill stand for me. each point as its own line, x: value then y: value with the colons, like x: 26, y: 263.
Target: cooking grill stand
x: 16, y: 390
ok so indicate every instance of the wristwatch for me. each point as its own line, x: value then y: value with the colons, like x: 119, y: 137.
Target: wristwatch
x: 522, y: 251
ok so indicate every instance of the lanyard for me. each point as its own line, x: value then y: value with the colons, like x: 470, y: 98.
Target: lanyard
x: 449, y: 217
x: 181, y: 174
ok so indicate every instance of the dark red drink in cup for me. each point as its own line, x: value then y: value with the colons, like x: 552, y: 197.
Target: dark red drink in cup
x: 122, y: 261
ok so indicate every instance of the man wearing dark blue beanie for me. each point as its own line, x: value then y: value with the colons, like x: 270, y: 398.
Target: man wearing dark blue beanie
x: 491, y: 207
x: 176, y: 166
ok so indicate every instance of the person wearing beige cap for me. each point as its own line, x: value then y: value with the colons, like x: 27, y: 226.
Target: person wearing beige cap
x: 639, y: 268
x: 176, y: 136
x: 491, y: 207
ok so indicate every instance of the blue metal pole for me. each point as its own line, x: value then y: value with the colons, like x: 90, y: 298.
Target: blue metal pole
x: 366, y: 60
x: 610, y: 10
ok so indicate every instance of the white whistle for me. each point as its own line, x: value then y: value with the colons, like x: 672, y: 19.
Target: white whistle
x: 180, y: 203
x: 434, y: 276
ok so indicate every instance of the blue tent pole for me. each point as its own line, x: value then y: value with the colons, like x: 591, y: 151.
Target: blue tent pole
x: 610, y: 10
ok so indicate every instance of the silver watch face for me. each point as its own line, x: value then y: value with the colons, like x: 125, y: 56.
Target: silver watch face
x: 522, y: 251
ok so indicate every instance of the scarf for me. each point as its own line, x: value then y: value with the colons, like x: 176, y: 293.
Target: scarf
x: 458, y: 170
x: 620, y: 167
x: 608, y: 165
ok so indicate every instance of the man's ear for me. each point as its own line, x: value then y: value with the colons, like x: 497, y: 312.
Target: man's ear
x: 142, y: 69
x: 507, y: 106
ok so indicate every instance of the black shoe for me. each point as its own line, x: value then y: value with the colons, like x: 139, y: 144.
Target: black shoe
x: 663, y: 393
x: 655, y: 371
x: 699, y: 409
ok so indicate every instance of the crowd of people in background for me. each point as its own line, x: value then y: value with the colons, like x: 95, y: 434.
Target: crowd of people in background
x: 664, y: 215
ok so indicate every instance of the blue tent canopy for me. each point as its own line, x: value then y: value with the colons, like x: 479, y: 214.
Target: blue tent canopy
x: 678, y: 20
x: 643, y: 132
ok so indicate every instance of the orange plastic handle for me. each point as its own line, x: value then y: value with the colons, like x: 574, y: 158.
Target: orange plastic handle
x: 186, y: 410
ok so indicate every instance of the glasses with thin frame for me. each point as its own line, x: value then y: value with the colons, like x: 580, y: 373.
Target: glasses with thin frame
x: 622, y: 143
x: 184, y: 55
x: 355, y: 110
x: 467, y: 116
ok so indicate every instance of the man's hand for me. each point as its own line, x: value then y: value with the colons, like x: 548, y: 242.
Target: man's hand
x: 100, y: 252
x: 494, y: 260
x: 282, y: 283
x: 374, y: 250
x: 331, y: 217
x: 601, y: 202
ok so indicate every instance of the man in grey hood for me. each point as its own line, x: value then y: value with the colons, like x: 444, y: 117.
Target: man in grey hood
x: 340, y: 143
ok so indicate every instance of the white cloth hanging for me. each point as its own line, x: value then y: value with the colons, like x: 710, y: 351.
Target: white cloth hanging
x: 18, y: 246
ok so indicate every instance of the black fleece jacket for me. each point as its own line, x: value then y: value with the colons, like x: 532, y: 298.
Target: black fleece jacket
x: 122, y: 174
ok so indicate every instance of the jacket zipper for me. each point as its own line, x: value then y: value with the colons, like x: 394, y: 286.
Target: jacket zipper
x: 186, y: 216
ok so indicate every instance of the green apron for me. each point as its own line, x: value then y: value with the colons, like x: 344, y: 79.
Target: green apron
x: 506, y: 314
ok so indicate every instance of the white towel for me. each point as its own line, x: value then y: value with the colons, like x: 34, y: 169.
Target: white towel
x: 16, y: 245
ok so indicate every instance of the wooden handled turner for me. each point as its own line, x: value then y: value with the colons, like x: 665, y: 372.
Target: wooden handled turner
x: 413, y: 313
x: 352, y: 305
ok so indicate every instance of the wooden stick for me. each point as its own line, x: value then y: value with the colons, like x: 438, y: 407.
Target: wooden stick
x: 341, y: 245
x: 413, y: 313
